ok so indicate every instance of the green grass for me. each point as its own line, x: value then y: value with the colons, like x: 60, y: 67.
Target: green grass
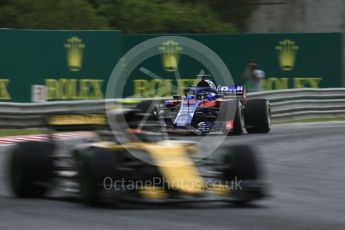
x: 311, y: 120
x: 18, y: 132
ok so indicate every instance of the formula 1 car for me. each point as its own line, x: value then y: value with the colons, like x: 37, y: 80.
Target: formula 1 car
x: 144, y: 169
x: 223, y: 108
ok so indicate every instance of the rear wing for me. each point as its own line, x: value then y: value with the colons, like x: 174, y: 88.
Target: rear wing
x: 124, y: 118
x: 231, y: 90
x: 76, y: 122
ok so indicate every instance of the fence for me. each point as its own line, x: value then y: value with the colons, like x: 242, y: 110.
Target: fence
x: 286, y: 105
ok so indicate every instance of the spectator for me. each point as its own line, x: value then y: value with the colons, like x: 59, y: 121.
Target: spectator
x: 253, y: 76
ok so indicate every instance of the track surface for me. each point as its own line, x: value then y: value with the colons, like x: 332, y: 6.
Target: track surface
x: 305, y: 166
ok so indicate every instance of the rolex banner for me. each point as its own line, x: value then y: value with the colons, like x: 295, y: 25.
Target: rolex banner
x: 74, y: 65
x: 311, y: 60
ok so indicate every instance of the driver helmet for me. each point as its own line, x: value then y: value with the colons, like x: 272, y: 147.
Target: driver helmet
x: 211, y: 84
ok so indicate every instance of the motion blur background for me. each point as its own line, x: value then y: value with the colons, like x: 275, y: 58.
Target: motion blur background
x: 176, y: 16
x: 41, y: 34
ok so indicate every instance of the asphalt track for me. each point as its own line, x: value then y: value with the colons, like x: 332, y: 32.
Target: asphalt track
x: 305, y: 166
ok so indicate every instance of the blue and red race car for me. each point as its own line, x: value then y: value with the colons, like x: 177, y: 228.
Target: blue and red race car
x: 207, y: 109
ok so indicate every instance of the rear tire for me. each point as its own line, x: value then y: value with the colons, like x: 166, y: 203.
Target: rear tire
x: 94, y: 165
x: 226, y: 113
x: 257, y: 116
x: 30, y: 169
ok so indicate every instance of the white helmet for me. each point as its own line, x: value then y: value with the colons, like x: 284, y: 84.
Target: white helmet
x: 211, y: 84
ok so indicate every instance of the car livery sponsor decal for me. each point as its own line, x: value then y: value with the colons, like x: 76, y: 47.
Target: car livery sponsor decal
x: 186, y: 113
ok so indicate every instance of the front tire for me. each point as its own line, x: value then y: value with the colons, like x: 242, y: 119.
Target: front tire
x: 148, y: 108
x: 145, y: 116
x: 241, y: 167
